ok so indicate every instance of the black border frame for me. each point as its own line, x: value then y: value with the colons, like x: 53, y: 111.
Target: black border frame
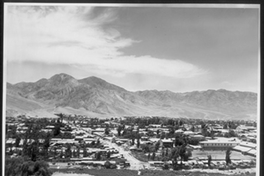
x: 256, y: 2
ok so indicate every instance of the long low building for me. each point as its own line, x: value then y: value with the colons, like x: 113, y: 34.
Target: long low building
x: 219, y: 143
x: 252, y: 152
x: 240, y: 148
x: 247, y: 148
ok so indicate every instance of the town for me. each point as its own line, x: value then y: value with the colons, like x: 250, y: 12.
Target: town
x: 136, y: 143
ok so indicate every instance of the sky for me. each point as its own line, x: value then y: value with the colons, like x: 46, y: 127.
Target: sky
x: 180, y: 49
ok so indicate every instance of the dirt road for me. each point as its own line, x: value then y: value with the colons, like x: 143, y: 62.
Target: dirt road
x: 135, y: 164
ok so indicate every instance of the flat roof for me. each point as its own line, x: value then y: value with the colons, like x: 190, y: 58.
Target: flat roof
x: 222, y: 140
x: 248, y: 144
x: 241, y: 148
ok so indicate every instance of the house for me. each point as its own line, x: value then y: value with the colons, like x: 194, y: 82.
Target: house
x: 134, y: 148
x: 179, y: 131
x: 194, y: 147
x: 167, y: 143
x: 79, y: 138
x: 155, y: 125
x: 89, y: 140
x: 188, y: 133
x: 197, y: 137
x: 98, y: 130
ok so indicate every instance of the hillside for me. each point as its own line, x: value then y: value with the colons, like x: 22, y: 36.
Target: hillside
x: 95, y: 96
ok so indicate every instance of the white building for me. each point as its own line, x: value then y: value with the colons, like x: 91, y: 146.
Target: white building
x: 220, y: 143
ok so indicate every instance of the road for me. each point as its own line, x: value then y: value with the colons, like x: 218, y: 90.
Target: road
x: 135, y: 164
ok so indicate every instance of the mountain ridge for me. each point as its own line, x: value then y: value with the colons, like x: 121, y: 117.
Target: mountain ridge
x: 93, y: 94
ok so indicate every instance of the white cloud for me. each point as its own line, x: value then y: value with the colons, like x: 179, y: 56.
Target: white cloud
x: 70, y: 35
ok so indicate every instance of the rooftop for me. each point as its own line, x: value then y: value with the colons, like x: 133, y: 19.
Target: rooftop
x: 223, y: 140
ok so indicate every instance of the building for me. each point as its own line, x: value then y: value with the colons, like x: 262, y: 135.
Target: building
x: 219, y: 143
x: 188, y: 133
x: 246, y: 128
x: 167, y: 143
x: 197, y: 137
x: 247, y: 148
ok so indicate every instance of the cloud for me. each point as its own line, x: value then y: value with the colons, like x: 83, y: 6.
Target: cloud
x: 75, y: 35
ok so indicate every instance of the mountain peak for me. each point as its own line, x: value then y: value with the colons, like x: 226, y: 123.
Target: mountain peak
x: 95, y: 81
x: 62, y: 76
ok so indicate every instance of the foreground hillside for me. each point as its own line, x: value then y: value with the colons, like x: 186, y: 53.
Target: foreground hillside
x: 95, y: 97
x: 115, y: 172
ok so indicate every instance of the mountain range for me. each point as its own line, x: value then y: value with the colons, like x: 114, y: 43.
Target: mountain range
x: 93, y: 96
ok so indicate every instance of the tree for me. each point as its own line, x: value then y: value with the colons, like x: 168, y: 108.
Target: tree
x: 174, y: 156
x: 107, y: 130
x: 145, y: 148
x: 46, y: 144
x: 212, y: 134
x: 61, y: 154
x: 24, y: 168
x: 138, y: 142
x: 18, y: 139
x: 108, y: 154
x: 78, y: 152
x: 188, y: 154
x: 225, y: 126
x: 167, y: 152
x: 33, y: 151
x: 132, y: 140
x: 55, y: 152
x: 182, y: 151
x: 98, y: 142
x: 158, y: 131
x: 153, y: 156
x: 232, y: 133
x: 194, y: 141
x: 204, y: 130
x: 41, y: 169
x: 119, y: 129
x: 13, y: 166
x: 163, y: 152
x: 68, y: 151
x: 179, y: 140
x: 148, y: 155
x: 93, y: 143
x: 56, y: 130
x: 85, y: 154
x: 18, y: 166
x: 227, y: 158
x: 209, y: 159
x: 74, y: 153
x: 192, y: 128
x: 162, y: 135
x: 107, y: 164
x: 98, y: 156
x: 171, y: 131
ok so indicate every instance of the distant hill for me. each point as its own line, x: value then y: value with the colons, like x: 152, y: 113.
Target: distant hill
x: 95, y: 96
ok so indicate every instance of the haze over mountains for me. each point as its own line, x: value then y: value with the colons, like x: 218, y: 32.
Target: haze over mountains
x: 93, y: 96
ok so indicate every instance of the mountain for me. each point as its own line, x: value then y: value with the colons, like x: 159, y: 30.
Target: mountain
x: 95, y: 96
x: 219, y: 100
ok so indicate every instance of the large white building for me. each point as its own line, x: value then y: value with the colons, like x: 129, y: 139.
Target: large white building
x: 219, y: 143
